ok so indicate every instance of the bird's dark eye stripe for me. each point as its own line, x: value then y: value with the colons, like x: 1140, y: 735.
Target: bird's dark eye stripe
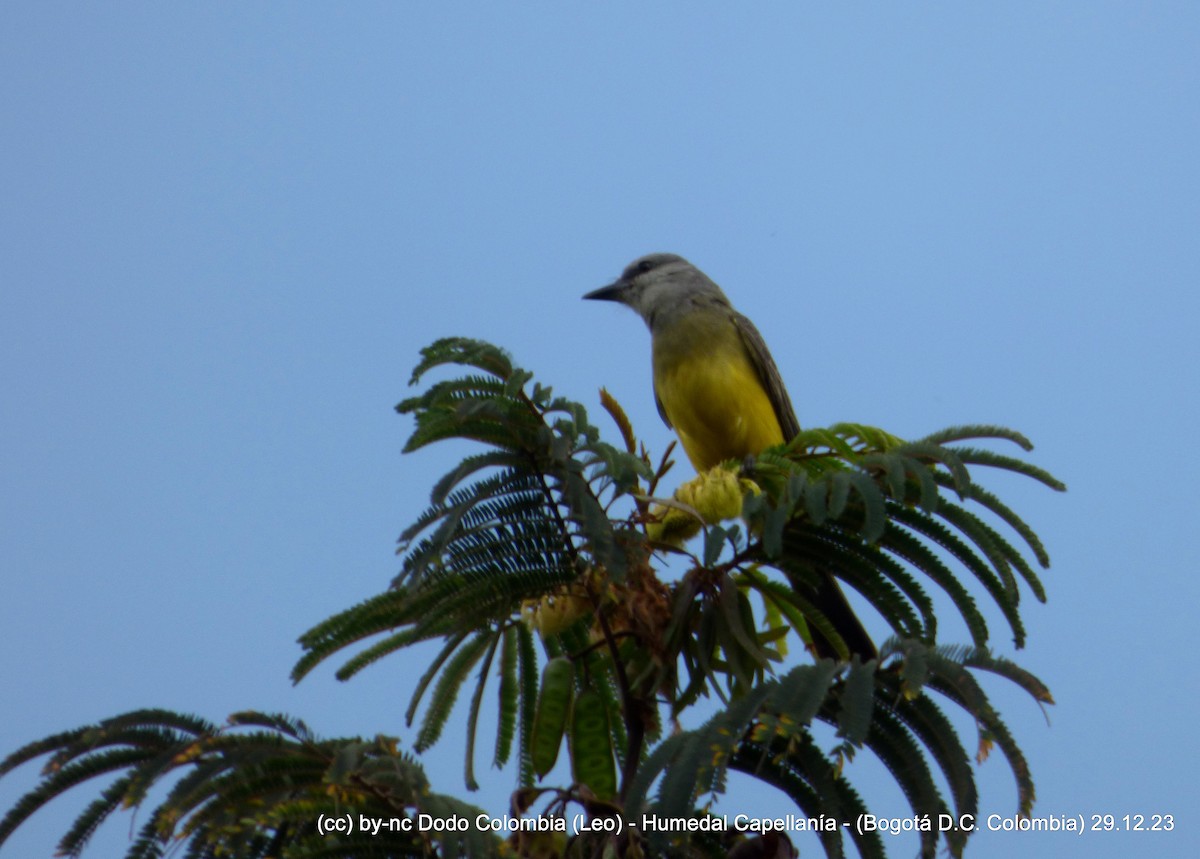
x: 645, y: 265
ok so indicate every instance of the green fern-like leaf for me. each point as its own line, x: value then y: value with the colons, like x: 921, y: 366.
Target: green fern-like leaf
x: 507, y: 696
x: 446, y: 691
x: 473, y: 712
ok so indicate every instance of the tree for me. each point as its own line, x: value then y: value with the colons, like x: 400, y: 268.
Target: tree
x: 538, y: 566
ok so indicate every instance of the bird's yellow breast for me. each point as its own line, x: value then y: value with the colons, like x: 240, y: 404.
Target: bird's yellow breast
x: 711, y: 392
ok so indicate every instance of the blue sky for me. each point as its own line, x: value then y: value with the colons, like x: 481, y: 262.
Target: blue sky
x: 226, y: 230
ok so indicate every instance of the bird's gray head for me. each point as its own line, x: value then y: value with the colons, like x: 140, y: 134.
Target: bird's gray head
x: 661, y: 287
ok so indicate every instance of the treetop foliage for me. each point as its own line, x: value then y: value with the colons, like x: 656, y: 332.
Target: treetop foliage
x: 538, y: 568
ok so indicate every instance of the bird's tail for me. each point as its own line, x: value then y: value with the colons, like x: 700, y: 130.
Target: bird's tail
x: 832, y: 603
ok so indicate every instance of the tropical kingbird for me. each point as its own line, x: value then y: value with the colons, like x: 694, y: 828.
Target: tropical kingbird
x: 716, y: 385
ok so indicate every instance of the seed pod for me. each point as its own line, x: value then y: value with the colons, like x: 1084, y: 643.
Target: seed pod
x: 554, y: 702
x: 591, y: 745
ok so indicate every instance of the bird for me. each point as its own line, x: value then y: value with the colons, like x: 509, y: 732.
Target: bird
x: 717, y: 386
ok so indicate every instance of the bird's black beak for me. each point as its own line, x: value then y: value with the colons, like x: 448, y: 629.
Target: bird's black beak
x: 612, y: 292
